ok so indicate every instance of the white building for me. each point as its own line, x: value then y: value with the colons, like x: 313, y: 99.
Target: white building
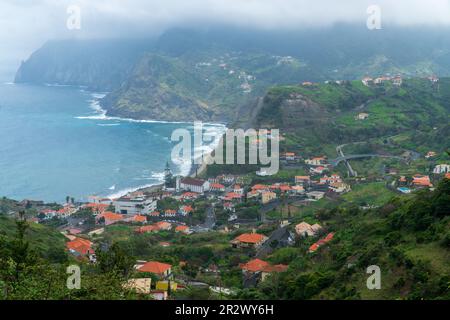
x: 362, y: 116
x: 304, y: 229
x: 339, y: 187
x: 194, y: 185
x: 133, y: 206
x: 315, y: 195
x: 441, y: 168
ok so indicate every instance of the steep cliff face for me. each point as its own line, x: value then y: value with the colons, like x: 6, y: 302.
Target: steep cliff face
x: 217, y: 75
x: 319, y: 114
x: 99, y: 65
x: 158, y: 88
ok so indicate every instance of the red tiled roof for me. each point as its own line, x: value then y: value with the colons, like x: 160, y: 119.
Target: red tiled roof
x: 110, y: 216
x: 189, y: 195
x: 329, y: 237
x: 193, y: 182
x: 422, y: 181
x: 447, y: 175
x: 275, y: 268
x: 155, y: 267
x: 255, y: 265
x: 182, y: 228
x: 147, y: 229
x: 259, y: 187
x: 250, y: 238
x: 314, y: 247
x: 162, y: 224
x: 307, y: 178
x: 217, y: 186
x: 80, y: 245
x: 187, y: 209
x: 233, y: 195
x: 100, y: 207
x: 139, y: 218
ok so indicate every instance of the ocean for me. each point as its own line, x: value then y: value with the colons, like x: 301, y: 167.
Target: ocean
x: 55, y: 141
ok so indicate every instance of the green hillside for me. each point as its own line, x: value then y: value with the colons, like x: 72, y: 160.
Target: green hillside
x: 318, y: 115
x: 408, y: 238
x: 45, y: 241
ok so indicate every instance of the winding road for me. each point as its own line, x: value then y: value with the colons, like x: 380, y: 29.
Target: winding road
x: 342, y: 157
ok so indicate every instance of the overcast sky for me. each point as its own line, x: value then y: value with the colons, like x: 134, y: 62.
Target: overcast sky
x: 26, y: 24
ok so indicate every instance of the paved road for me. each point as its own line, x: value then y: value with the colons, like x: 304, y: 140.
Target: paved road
x: 209, y: 223
x: 342, y: 157
x: 278, y: 235
x: 336, y: 161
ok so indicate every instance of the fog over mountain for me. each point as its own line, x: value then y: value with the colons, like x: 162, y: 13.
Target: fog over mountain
x: 26, y: 25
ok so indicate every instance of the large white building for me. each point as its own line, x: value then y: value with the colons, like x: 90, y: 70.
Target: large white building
x: 441, y: 168
x: 135, y: 206
x: 193, y: 185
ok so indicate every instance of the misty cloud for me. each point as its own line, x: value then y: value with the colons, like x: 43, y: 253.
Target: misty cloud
x: 26, y: 25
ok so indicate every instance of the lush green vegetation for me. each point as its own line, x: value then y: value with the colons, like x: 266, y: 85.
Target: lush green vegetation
x: 407, y: 238
x: 30, y: 271
x: 315, y: 118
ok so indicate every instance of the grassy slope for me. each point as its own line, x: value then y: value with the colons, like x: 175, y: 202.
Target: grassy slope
x: 418, y: 110
x: 43, y: 239
x: 407, y: 238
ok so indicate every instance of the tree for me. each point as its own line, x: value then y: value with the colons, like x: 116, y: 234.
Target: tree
x: 115, y: 260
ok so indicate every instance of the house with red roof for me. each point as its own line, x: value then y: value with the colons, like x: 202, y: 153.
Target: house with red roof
x: 246, y: 240
x: 185, y: 210
x: 217, y: 187
x: 97, y: 208
x: 170, y: 213
x: 321, y: 242
x: 318, y: 170
x: 189, y: 196
x: 137, y: 218
x: 447, y: 175
x: 258, y: 266
x: 255, y: 265
x: 163, y: 225
x: 154, y: 214
x: 162, y: 270
x: 421, y: 181
x: 109, y: 218
x: 182, y: 229
x: 260, y: 187
x: 80, y: 247
x: 232, y: 196
x: 147, y: 229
